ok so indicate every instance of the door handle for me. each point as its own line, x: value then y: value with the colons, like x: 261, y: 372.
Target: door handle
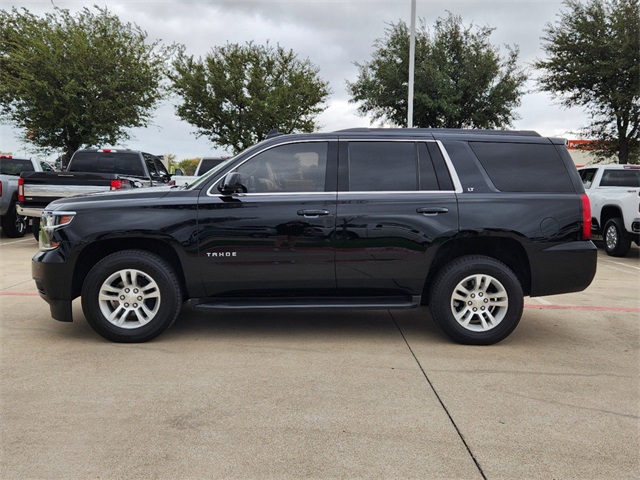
x: 432, y: 210
x: 313, y: 213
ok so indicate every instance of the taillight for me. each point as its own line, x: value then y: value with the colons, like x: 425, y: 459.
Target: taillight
x: 116, y: 184
x: 21, y: 189
x: 586, y: 217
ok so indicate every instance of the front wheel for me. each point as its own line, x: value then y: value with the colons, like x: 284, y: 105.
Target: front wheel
x: 131, y: 296
x: 476, y: 300
x: 616, y: 240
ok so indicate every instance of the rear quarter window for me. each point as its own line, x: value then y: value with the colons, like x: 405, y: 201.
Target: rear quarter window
x: 523, y: 167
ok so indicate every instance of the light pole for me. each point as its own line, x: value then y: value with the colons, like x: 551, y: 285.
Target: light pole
x: 412, y: 62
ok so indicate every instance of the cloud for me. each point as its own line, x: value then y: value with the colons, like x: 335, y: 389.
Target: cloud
x: 332, y: 34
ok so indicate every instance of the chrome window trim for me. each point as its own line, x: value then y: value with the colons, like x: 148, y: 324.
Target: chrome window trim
x: 280, y: 194
x: 334, y: 193
x: 452, y: 171
x: 397, y: 192
x: 269, y: 147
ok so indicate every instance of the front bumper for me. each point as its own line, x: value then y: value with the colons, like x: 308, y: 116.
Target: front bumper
x: 53, y: 279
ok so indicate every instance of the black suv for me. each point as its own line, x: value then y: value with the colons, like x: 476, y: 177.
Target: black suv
x: 466, y: 222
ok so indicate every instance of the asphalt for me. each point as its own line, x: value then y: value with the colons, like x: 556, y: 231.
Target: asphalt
x: 372, y: 394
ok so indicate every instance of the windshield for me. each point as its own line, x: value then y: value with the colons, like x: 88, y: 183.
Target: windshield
x: 203, y: 178
x: 218, y: 168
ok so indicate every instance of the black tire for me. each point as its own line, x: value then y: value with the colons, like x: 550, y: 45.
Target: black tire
x: 13, y: 225
x: 491, y: 307
x: 146, y: 296
x: 35, y: 228
x: 617, y: 241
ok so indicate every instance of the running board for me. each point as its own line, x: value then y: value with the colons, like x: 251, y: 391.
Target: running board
x: 326, y: 303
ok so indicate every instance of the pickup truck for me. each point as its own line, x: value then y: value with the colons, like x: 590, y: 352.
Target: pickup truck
x: 205, y: 164
x: 13, y: 224
x: 89, y: 171
x: 467, y: 222
x: 614, y: 193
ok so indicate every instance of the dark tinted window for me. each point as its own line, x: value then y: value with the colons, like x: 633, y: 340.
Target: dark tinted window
x: 298, y: 167
x: 208, y: 163
x: 620, y: 178
x: 96, y: 162
x: 523, y: 167
x: 382, y: 166
x: 444, y: 178
x: 428, y: 179
x: 15, y: 166
x: 587, y: 176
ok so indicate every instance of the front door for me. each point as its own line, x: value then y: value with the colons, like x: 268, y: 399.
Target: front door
x: 275, y: 239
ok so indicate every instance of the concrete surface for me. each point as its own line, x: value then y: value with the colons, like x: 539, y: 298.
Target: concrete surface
x: 309, y: 395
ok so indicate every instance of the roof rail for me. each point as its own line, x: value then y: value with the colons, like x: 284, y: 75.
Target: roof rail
x: 464, y: 131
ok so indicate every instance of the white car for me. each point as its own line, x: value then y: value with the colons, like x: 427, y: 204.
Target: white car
x: 614, y: 193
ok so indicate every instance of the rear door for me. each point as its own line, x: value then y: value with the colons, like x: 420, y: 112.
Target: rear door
x: 396, y: 199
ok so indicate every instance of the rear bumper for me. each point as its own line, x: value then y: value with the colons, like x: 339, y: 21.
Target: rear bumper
x: 53, y: 281
x: 29, y: 211
x: 564, y: 268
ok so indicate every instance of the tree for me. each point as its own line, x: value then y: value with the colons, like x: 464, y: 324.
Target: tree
x: 72, y: 81
x: 461, y: 81
x: 594, y: 62
x: 189, y: 165
x: 238, y: 93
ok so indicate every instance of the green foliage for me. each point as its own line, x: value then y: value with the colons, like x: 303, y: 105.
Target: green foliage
x: 189, y: 165
x: 594, y: 62
x: 461, y: 81
x: 73, y: 81
x: 171, y: 162
x: 238, y: 93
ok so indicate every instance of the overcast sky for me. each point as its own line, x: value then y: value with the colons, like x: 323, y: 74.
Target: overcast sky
x: 331, y: 34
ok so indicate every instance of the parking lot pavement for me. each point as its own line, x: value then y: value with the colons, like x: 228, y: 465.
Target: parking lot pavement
x: 360, y: 394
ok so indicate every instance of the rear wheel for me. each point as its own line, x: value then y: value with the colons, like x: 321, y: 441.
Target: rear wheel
x: 476, y: 300
x: 131, y: 296
x: 616, y: 240
x: 13, y: 225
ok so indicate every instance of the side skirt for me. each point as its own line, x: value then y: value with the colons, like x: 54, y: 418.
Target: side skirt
x: 326, y: 303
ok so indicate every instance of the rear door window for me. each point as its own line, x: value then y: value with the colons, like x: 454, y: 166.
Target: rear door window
x: 392, y: 167
x: 587, y: 176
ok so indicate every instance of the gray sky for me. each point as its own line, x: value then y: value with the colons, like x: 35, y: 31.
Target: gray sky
x: 332, y: 34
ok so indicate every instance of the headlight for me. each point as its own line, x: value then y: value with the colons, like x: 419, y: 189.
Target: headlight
x: 49, y: 223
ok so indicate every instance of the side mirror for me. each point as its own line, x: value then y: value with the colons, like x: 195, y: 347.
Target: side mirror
x: 231, y: 184
x: 178, y: 172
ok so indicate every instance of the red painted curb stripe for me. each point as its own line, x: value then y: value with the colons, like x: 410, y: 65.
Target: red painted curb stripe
x: 583, y: 307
